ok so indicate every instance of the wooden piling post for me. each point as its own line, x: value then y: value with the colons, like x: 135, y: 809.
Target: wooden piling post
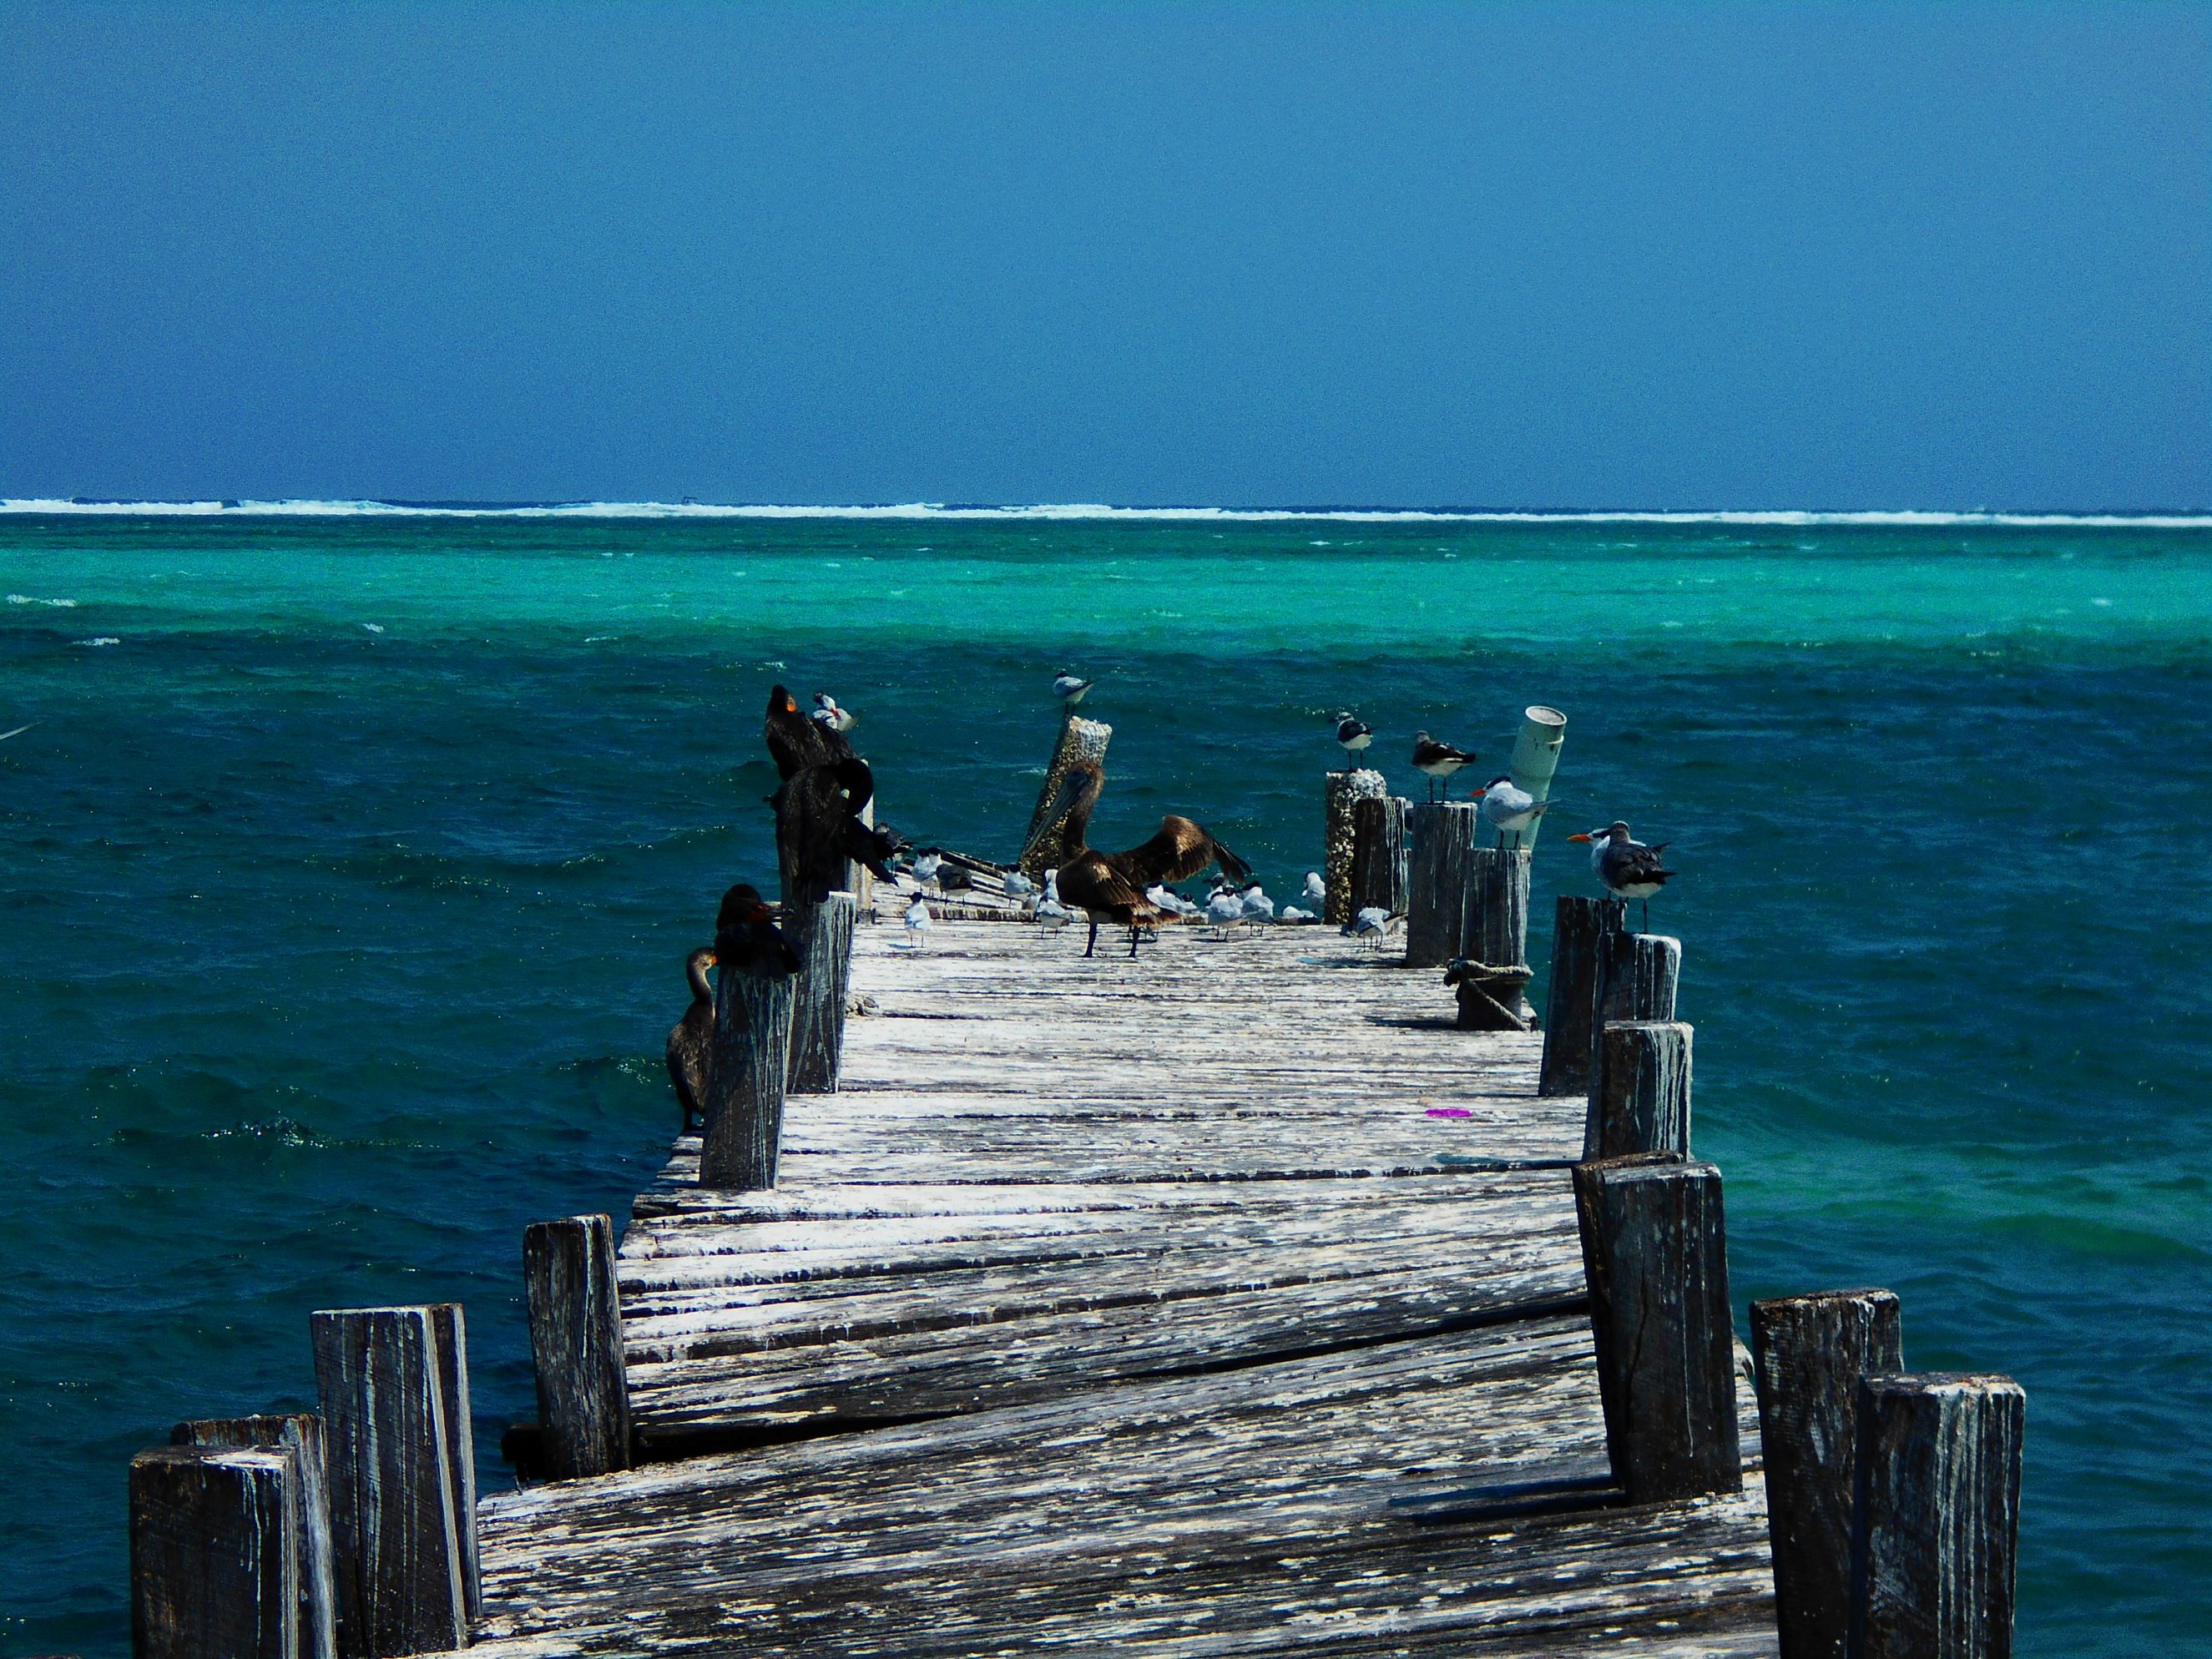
x: 215, y: 1554
x: 1581, y: 932
x: 301, y: 1434
x: 399, y: 1561
x: 1636, y: 977
x: 1655, y: 1254
x: 746, y: 1079
x: 1639, y: 1093
x: 1936, y: 1516
x: 824, y: 940
x: 1342, y: 793
x: 860, y: 880
x: 1809, y: 1354
x: 1442, y: 837
x: 449, y: 1341
x: 1378, y: 858
x: 575, y: 1338
x: 1080, y: 740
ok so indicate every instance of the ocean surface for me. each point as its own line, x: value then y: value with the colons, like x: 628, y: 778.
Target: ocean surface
x: 351, y: 858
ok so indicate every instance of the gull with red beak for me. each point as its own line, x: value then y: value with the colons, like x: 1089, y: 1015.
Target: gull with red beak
x: 1629, y: 869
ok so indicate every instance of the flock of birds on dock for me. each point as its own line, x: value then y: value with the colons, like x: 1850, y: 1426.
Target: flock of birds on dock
x: 823, y: 826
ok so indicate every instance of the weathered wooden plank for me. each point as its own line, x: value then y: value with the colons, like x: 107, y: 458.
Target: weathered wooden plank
x: 746, y: 1077
x: 399, y: 1560
x: 1936, y: 1519
x: 449, y: 1344
x: 576, y: 1342
x: 1639, y: 1098
x: 215, y: 1547
x: 822, y: 988
x: 1809, y: 1355
x: 1655, y: 1256
x: 301, y: 1434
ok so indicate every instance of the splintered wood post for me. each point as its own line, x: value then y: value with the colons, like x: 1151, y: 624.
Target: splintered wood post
x: 1341, y: 791
x: 745, y: 1079
x: 215, y: 1554
x: 824, y: 940
x: 1581, y: 930
x: 1809, y: 1354
x: 399, y: 1561
x: 1439, y: 878
x: 1080, y: 740
x: 1655, y: 1254
x: 449, y: 1337
x: 1378, y: 858
x: 1639, y: 1098
x: 1936, y: 1516
x: 575, y: 1338
x: 301, y: 1434
x: 1495, y: 932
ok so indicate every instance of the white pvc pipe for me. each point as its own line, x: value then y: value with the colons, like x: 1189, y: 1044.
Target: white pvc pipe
x: 1536, y: 757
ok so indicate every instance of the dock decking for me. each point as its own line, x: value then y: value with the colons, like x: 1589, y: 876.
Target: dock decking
x: 1150, y: 1305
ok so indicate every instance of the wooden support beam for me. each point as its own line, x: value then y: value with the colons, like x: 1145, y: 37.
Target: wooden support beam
x: 1442, y: 839
x: 1936, y: 1516
x: 449, y: 1338
x: 745, y: 1080
x: 1809, y: 1354
x: 215, y: 1554
x: 400, y: 1563
x: 1581, y: 930
x: 575, y: 1338
x: 301, y: 1434
x: 1342, y: 793
x: 823, y: 938
x: 1655, y: 1254
x: 1636, y: 977
x: 1378, y: 858
x: 1639, y: 1094
x: 1080, y: 740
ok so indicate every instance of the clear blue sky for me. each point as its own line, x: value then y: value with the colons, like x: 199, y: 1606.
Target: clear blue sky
x: 1506, y: 255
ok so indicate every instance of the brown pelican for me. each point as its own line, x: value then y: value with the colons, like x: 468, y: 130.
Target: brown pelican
x: 1116, y: 881
x: 692, y: 1040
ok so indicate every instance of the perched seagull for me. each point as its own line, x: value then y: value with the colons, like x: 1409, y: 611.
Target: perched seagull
x: 1510, y: 809
x: 1070, y: 688
x: 1629, y: 869
x: 1170, y: 900
x: 1436, y: 761
x: 1316, y: 890
x: 1371, y: 924
x: 928, y: 866
x: 1050, y: 912
x: 1291, y: 912
x: 917, y: 923
x: 1225, y: 908
x: 1354, y: 734
x: 828, y: 713
x: 1258, y: 907
x: 1018, y: 885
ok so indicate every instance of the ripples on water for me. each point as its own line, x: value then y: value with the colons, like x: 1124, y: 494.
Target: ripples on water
x: 348, y: 889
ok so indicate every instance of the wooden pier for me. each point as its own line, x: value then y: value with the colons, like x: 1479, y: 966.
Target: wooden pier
x: 1229, y: 1300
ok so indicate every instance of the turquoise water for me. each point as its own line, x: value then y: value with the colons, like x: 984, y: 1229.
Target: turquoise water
x: 347, y: 888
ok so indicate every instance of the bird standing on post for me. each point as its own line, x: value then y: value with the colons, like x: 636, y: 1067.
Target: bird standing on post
x: 1353, y: 735
x: 1629, y: 869
x: 747, y: 938
x: 691, y: 1040
x: 1436, y: 761
x: 1511, y: 810
x: 1070, y: 688
x: 828, y: 712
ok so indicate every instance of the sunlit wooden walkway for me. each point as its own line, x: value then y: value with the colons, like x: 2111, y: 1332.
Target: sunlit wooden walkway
x: 1227, y: 1301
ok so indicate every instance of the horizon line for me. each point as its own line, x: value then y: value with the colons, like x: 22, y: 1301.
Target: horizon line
x: 688, y: 507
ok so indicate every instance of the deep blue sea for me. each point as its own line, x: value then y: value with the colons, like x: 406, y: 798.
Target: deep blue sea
x: 350, y: 862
